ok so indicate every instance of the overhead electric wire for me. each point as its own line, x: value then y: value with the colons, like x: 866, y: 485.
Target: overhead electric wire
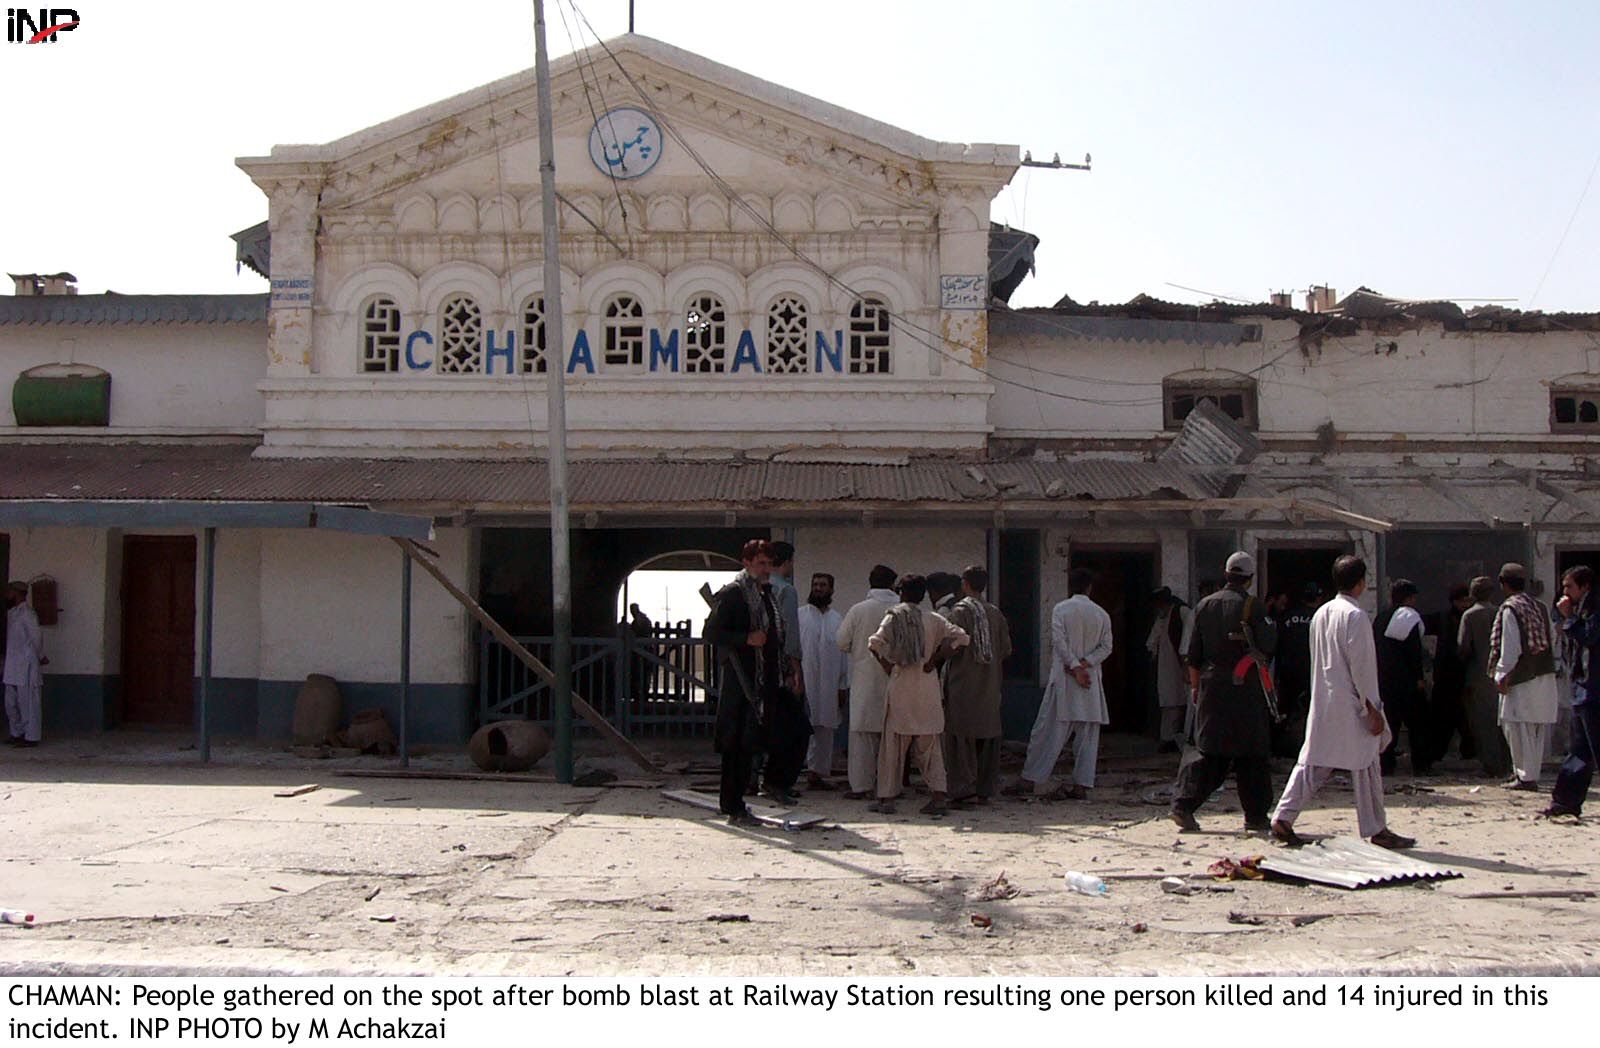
x: 622, y: 207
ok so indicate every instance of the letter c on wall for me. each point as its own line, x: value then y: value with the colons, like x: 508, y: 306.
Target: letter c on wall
x: 411, y: 361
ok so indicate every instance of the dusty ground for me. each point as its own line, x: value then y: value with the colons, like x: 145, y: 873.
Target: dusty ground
x: 138, y: 859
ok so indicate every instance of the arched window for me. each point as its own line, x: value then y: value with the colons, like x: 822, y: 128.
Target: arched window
x: 869, y: 337
x: 533, y: 336
x: 788, y: 336
x: 460, y: 336
x: 705, y: 335
x: 380, y: 336
x: 623, y: 332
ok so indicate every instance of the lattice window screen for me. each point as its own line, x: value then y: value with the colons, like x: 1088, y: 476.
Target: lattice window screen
x: 532, y: 354
x: 869, y: 337
x: 705, y: 335
x: 460, y: 337
x: 380, y: 336
x: 788, y: 334
x: 624, y: 331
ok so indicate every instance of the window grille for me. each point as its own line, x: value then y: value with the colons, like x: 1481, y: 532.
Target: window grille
x: 705, y: 335
x: 1237, y: 401
x: 624, y: 332
x: 788, y: 336
x: 869, y: 337
x: 532, y: 345
x: 1575, y: 411
x: 460, y: 337
x: 380, y: 336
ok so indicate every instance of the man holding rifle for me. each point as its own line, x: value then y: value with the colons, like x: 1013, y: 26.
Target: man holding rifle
x: 1230, y: 683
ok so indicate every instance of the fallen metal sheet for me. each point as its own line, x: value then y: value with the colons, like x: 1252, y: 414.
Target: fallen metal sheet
x: 1349, y: 862
x: 784, y: 818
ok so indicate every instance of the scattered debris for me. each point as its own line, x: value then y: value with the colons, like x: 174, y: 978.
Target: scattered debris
x: 981, y: 921
x: 458, y: 847
x: 661, y: 907
x: 296, y: 791
x: 1176, y: 886
x: 220, y: 942
x: 1235, y: 917
x: 1247, y: 868
x: 23, y: 917
x: 373, y: 894
x: 1140, y: 928
x: 492, y: 814
x: 729, y: 918
x: 382, y: 918
x: 1476, y: 789
x: 277, y: 888
x: 999, y: 888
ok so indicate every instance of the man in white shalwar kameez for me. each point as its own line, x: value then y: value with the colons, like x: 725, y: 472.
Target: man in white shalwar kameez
x: 827, y: 676
x: 868, y: 682
x: 1074, y: 704
x: 1522, y: 663
x: 22, y: 677
x: 1346, y: 729
x: 1173, y: 622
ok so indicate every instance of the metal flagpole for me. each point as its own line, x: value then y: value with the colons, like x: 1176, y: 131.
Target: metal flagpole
x: 556, y: 425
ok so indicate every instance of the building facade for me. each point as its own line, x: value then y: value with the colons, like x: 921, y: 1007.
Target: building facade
x: 779, y: 318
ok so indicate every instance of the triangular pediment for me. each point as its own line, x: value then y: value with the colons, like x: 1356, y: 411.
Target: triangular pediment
x: 757, y: 136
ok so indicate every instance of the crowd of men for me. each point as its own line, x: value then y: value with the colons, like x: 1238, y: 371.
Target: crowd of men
x: 1236, y: 678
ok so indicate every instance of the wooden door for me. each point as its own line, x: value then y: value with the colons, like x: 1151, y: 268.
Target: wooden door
x: 158, y: 629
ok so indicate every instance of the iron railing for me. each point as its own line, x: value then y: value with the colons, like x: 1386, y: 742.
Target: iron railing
x: 663, y: 684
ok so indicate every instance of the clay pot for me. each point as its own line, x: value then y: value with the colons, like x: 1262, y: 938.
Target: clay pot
x: 317, y: 710
x: 510, y: 745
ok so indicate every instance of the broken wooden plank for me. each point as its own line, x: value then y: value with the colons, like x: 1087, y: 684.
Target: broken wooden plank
x: 296, y: 791
x: 784, y: 818
x: 588, y: 712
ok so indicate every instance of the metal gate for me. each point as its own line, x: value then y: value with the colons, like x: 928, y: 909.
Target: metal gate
x: 663, y: 684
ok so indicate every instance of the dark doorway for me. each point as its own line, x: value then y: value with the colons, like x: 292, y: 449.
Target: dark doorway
x: 1018, y: 589
x: 1288, y: 569
x: 158, y: 629
x: 1123, y: 581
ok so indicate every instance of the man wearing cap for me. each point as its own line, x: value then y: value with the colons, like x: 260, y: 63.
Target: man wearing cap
x: 1165, y: 644
x: 1233, y: 728
x: 1523, y: 664
x: 1346, y: 729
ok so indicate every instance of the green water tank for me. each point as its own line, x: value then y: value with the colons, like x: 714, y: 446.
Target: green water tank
x: 62, y: 395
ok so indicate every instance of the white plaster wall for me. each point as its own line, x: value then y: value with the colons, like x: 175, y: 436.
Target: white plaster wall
x: 1434, y: 383
x: 176, y: 377
x: 76, y: 559
x: 849, y: 553
x: 330, y: 603
x: 236, y: 634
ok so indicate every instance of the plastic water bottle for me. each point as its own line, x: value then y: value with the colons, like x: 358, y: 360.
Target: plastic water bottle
x: 15, y: 917
x: 1086, y: 883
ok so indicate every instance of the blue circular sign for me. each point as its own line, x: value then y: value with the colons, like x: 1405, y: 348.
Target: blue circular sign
x: 625, y: 142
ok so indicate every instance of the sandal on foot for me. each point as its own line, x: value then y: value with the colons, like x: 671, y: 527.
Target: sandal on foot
x: 1386, y: 838
x: 1284, y: 834
x: 1185, y: 820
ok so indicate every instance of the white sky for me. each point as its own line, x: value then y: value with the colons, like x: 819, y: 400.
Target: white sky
x: 671, y: 596
x: 1423, y: 149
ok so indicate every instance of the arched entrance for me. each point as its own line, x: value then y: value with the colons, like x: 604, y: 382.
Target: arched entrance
x: 660, y: 609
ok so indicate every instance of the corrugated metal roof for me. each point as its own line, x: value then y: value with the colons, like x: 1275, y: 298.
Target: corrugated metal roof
x: 34, y: 310
x: 153, y: 471
x: 1349, y: 862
